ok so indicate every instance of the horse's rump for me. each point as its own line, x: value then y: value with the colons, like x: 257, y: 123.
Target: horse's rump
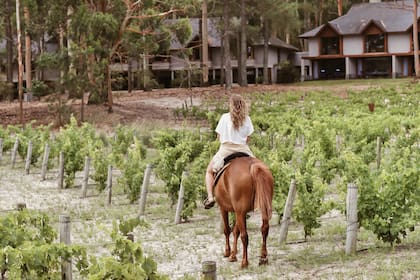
x: 246, y: 184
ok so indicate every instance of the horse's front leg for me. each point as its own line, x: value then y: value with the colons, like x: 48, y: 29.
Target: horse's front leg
x: 241, y: 228
x: 226, y: 231
x: 264, y: 231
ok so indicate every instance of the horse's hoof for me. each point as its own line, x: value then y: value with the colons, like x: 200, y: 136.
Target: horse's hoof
x: 244, y: 264
x: 233, y: 259
x: 263, y: 261
x: 226, y: 254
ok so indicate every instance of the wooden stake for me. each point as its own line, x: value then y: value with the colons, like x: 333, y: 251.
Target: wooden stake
x: 109, y: 185
x: 14, y: 152
x: 352, y: 223
x: 287, y: 213
x: 20, y: 206
x: 337, y: 143
x: 45, y: 161
x: 1, y: 149
x: 130, y: 236
x: 180, y: 204
x: 66, y: 270
x: 28, y: 157
x: 208, y: 271
x: 378, y: 152
x: 144, y: 189
x: 61, y: 170
x: 85, y: 176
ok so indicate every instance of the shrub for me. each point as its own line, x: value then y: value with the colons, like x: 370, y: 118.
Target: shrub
x: 287, y: 73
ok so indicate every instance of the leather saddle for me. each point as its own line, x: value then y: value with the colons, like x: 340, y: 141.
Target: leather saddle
x: 226, y: 162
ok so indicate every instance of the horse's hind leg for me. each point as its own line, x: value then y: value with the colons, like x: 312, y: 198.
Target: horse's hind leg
x: 232, y: 257
x: 241, y: 228
x: 226, y: 230
x: 264, y: 230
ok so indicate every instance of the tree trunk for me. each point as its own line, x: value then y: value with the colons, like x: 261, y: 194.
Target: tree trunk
x: 340, y: 7
x: 244, y: 81
x: 146, y: 79
x: 238, y: 57
x: 416, y: 40
x: 39, y: 73
x: 82, y: 70
x: 321, y: 12
x: 265, y: 57
x: 28, y: 51
x: 109, y: 86
x: 130, y: 74
x: 102, y: 6
x: 139, y: 74
x: 69, y: 39
x: 226, y: 45
x: 61, y: 91
x: 222, y: 55
x: 204, y: 43
x: 9, y: 42
x: 20, y: 65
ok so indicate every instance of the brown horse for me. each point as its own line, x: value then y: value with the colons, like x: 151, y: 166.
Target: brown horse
x: 245, y: 185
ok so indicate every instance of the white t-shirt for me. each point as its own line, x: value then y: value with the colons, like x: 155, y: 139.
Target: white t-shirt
x: 229, y: 134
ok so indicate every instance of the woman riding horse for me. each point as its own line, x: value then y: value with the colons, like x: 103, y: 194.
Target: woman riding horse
x: 246, y: 183
x: 233, y: 131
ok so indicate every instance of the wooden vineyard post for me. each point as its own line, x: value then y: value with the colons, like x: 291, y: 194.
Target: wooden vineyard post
x: 352, y: 222
x: 144, y: 189
x: 378, y: 152
x: 208, y: 270
x: 130, y: 236
x: 28, y: 157
x: 337, y: 143
x: 85, y: 176
x: 45, y: 161
x: 303, y: 142
x: 14, y: 151
x: 180, y: 203
x: 61, y: 170
x: 1, y: 149
x: 287, y: 213
x: 109, y: 186
x: 66, y: 270
x: 20, y: 206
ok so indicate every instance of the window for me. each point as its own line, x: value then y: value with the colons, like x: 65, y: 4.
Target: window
x: 330, y: 45
x: 375, y: 43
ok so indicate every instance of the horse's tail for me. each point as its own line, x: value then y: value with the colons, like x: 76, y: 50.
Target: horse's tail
x: 263, y: 182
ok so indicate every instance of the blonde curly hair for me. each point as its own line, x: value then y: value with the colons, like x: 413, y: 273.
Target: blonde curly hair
x: 238, y: 110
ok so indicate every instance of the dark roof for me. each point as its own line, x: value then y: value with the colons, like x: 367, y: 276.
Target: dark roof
x: 214, y: 36
x: 395, y: 16
x: 276, y: 42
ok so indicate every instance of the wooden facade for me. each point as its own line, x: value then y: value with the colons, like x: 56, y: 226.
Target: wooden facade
x: 371, y: 40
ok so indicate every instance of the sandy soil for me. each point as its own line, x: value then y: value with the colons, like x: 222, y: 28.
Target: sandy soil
x: 181, y: 249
